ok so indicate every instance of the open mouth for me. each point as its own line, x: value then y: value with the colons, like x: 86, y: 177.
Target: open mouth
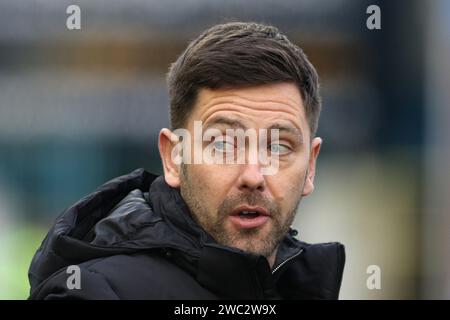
x: 248, y: 214
x: 248, y: 217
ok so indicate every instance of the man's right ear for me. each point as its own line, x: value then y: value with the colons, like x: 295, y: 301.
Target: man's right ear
x: 166, y: 143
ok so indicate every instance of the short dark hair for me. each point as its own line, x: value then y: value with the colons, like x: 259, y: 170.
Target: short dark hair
x: 239, y: 54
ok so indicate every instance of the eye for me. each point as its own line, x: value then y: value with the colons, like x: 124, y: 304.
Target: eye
x: 279, y: 148
x: 223, y: 145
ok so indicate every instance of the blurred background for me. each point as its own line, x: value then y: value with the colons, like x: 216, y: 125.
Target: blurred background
x: 79, y: 107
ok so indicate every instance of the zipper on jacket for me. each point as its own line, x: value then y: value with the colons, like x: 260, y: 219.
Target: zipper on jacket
x: 286, y: 261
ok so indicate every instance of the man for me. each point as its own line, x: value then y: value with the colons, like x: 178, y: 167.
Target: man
x: 208, y: 229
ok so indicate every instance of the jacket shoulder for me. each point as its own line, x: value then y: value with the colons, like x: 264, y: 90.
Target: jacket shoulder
x: 133, y: 276
x: 75, y: 282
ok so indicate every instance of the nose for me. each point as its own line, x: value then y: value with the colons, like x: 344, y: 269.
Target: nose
x: 251, y: 178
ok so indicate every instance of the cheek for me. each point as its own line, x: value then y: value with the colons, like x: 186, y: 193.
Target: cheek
x: 286, y: 185
x: 213, y: 182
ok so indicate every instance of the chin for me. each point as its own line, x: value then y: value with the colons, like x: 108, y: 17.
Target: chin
x: 251, y: 245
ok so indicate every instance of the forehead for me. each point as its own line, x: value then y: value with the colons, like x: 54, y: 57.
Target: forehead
x: 257, y: 106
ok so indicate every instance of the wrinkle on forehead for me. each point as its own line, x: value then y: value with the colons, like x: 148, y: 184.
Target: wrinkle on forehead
x: 263, y: 103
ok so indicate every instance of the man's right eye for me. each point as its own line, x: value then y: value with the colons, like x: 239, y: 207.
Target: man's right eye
x: 223, y: 145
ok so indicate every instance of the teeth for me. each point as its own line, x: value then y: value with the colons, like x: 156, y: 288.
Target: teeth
x: 248, y: 213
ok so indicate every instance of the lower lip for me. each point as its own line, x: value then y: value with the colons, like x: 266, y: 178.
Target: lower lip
x: 248, y: 223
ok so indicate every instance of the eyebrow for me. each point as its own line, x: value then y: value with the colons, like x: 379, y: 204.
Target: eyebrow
x: 236, y: 124
x: 288, y: 129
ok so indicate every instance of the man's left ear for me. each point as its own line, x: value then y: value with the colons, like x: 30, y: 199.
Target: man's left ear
x: 308, y: 188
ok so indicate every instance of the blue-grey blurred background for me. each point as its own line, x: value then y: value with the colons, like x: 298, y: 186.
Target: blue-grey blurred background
x: 79, y: 107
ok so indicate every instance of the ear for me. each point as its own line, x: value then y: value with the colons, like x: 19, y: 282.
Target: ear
x: 166, y: 144
x: 308, y: 188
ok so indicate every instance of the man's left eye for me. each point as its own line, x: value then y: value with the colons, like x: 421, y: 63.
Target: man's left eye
x: 279, y: 148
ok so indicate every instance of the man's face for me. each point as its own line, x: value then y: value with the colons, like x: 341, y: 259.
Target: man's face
x: 237, y: 204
